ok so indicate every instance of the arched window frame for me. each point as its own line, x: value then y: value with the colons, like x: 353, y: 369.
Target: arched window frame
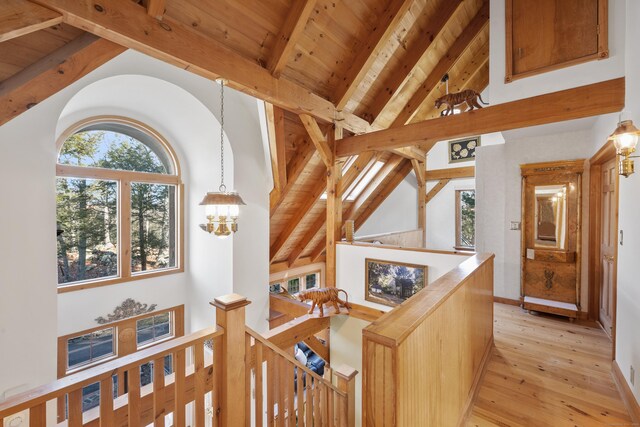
x: 124, y: 180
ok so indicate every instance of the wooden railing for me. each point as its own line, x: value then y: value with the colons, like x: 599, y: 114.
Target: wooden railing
x: 284, y: 392
x: 213, y: 381
x: 422, y: 361
x: 189, y: 382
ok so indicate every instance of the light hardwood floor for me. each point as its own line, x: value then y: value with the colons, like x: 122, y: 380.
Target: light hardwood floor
x: 547, y: 372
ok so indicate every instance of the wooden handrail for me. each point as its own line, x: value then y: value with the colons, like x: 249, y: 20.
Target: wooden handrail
x: 434, y: 344
x: 256, y: 336
x: 393, y: 327
x: 403, y: 248
x: 82, y: 379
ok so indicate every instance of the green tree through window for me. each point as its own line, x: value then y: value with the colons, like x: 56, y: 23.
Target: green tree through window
x: 89, y: 209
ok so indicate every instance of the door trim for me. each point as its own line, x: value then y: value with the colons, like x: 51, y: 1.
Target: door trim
x: 606, y: 153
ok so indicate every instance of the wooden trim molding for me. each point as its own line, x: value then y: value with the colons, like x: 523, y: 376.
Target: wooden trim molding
x: 477, y: 381
x: 508, y: 301
x: 626, y: 393
x: 125, y: 179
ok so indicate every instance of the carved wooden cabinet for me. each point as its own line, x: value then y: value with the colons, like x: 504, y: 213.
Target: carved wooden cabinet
x: 551, y: 236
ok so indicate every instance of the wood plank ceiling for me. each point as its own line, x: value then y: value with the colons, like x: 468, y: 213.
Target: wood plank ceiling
x: 377, y: 60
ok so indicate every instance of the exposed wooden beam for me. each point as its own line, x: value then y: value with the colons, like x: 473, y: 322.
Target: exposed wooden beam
x: 436, y: 189
x: 21, y: 17
x: 380, y: 196
x: 287, y: 335
x: 372, y: 187
x: 359, y: 167
x: 368, y: 52
x: 277, y: 147
x: 451, y: 173
x: 53, y: 73
x: 317, y: 347
x: 461, y: 44
x: 125, y: 23
x: 304, y: 242
x: 155, y: 8
x: 409, y: 153
x: 305, y: 205
x: 296, y: 165
x: 289, y: 34
x: 318, y: 251
x: 420, y: 170
x: 318, y: 139
x: 585, y: 101
x: 334, y: 213
x: 396, y: 80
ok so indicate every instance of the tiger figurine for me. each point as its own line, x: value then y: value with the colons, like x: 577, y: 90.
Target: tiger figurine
x: 469, y: 96
x: 322, y: 296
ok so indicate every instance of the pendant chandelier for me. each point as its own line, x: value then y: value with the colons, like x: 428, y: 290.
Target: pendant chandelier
x: 221, y: 207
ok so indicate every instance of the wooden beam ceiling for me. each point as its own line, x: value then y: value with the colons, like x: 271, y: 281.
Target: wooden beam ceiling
x: 21, y: 17
x: 289, y: 34
x: 368, y: 52
x: 295, y: 166
x: 359, y: 167
x: 125, y: 23
x: 277, y: 148
x: 304, y: 206
x: 53, y: 73
x: 399, y: 78
x: 576, y: 103
x: 318, y: 139
x: 472, y: 30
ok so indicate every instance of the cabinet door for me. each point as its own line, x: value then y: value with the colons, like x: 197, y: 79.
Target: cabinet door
x: 549, y: 34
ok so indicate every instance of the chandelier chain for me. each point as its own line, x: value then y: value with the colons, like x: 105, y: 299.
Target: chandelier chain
x: 223, y: 188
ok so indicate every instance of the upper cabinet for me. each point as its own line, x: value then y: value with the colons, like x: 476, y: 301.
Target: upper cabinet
x: 545, y: 35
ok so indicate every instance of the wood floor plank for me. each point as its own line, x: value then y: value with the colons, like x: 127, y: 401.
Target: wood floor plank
x: 545, y: 371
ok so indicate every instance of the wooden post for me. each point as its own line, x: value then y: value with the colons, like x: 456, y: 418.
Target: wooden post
x: 334, y: 211
x: 346, y: 376
x: 230, y: 315
x: 420, y: 172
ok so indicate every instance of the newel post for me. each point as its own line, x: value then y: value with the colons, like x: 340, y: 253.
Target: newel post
x: 346, y: 376
x: 230, y: 315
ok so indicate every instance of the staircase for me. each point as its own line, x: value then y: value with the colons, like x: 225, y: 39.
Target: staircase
x: 227, y: 375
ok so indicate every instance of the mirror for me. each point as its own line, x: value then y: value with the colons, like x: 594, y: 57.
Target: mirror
x: 550, y: 223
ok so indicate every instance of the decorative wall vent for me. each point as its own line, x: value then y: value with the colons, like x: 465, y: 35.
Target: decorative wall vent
x: 128, y: 308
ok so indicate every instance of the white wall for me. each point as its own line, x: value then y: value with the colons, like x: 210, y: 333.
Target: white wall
x: 498, y: 194
x: 346, y: 349
x: 628, y: 310
x: 399, y: 211
x: 441, y: 210
x: 565, y: 78
x: 350, y: 269
x: 32, y: 315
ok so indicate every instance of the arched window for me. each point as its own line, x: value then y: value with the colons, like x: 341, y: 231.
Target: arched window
x: 118, y: 204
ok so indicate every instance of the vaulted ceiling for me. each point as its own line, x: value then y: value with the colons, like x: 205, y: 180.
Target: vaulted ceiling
x: 364, y: 64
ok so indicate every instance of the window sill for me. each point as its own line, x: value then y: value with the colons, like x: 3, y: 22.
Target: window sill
x: 116, y: 280
x: 464, y: 248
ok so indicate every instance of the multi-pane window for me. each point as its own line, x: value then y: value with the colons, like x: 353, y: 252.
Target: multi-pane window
x: 311, y: 280
x: 117, y: 203
x: 465, y: 219
x: 89, y: 348
x: 293, y: 285
x: 153, y: 329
